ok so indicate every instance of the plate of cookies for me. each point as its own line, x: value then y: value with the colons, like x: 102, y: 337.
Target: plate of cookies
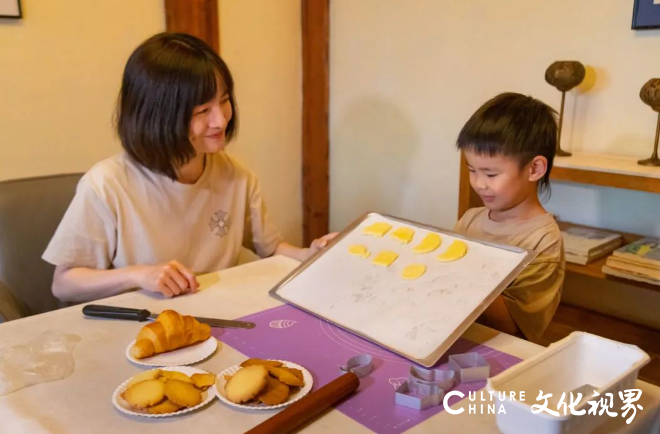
x: 259, y: 384
x: 165, y: 392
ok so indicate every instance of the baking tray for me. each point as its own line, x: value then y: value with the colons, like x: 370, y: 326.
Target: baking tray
x: 418, y: 319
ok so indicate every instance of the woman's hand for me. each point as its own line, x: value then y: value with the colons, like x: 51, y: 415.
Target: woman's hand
x: 294, y: 252
x: 170, y: 279
x: 79, y: 284
x: 320, y: 243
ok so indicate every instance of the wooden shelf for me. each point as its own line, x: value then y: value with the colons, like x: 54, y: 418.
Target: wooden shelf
x: 607, y: 171
x: 595, y: 269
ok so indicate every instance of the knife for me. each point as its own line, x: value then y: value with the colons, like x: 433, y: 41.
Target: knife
x: 143, y: 315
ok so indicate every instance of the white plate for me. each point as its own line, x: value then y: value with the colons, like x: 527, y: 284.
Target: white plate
x: 220, y: 388
x: 125, y: 407
x: 182, y: 356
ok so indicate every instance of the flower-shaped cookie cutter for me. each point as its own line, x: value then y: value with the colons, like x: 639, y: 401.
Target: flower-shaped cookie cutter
x: 361, y: 365
x: 469, y: 367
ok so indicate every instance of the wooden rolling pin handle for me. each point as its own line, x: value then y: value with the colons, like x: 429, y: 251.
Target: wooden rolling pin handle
x: 308, y: 407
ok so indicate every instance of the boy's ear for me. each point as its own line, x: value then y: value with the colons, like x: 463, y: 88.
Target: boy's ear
x: 537, y: 168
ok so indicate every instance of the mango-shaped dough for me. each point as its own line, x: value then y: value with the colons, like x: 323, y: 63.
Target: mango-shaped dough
x: 456, y: 251
x: 358, y: 250
x: 403, y: 235
x: 414, y: 271
x: 430, y: 242
x: 385, y: 258
x: 377, y: 229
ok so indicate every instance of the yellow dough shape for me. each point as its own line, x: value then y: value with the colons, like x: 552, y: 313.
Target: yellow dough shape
x: 403, y: 235
x: 358, y: 250
x: 456, y: 251
x: 430, y: 242
x: 385, y: 258
x: 412, y: 272
x: 377, y: 229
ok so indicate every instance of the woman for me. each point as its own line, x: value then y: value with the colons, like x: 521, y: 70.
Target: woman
x: 173, y: 204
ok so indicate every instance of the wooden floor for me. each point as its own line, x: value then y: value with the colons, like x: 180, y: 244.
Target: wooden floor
x: 569, y: 319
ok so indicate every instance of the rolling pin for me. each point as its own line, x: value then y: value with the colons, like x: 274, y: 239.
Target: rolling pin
x: 309, y: 407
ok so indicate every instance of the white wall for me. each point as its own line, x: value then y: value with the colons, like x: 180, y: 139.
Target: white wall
x: 405, y: 76
x: 261, y: 42
x: 60, y: 73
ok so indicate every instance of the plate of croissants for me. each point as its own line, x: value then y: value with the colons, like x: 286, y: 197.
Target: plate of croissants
x: 259, y: 384
x: 172, y: 340
x: 165, y: 392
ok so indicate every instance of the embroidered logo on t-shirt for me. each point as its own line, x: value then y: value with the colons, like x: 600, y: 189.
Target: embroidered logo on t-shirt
x: 220, y: 223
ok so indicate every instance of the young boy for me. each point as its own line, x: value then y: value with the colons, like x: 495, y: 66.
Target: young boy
x: 509, y: 144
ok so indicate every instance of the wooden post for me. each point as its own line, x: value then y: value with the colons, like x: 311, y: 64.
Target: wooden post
x: 195, y: 17
x: 315, y: 136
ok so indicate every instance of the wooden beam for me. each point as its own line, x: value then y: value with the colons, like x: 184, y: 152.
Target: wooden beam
x: 315, y: 137
x: 195, y: 17
x: 606, y: 179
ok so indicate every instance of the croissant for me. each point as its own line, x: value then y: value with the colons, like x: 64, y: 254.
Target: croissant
x: 169, y: 332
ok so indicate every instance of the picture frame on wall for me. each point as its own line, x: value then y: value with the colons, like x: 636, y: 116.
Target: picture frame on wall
x: 10, y: 9
x: 646, y: 14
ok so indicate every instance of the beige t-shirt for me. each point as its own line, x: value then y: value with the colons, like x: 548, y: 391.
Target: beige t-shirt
x: 532, y: 298
x: 124, y: 214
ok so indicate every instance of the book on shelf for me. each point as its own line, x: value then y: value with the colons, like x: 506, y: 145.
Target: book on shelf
x: 642, y: 252
x: 627, y: 275
x: 584, y: 245
x: 637, y: 261
x: 640, y: 270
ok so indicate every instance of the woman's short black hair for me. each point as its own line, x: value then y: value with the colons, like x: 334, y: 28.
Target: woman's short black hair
x: 164, y: 79
x: 513, y: 125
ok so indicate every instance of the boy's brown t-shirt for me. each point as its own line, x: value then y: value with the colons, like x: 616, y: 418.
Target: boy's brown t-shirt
x: 532, y: 298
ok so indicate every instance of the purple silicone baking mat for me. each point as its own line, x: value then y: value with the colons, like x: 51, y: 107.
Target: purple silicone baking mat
x: 288, y: 333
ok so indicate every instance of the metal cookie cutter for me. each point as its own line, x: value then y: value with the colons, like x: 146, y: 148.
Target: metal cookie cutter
x: 469, y: 367
x: 443, y: 378
x: 361, y: 365
x: 424, y: 388
x: 418, y: 396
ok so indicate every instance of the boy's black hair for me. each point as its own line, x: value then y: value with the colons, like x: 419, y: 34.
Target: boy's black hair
x: 164, y: 79
x: 513, y: 125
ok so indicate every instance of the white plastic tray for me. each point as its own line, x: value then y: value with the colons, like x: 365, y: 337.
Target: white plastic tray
x: 579, y: 359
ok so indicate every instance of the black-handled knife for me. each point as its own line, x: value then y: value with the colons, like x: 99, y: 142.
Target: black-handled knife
x: 113, y: 312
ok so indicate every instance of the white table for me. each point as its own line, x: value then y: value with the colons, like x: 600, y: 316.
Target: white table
x: 82, y: 403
